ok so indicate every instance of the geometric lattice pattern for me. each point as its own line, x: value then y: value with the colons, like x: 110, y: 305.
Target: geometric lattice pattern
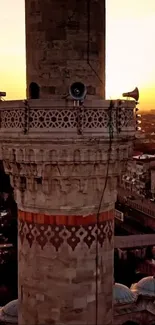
x: 50, y: 118
x: 126, y: 118
x: 58, y: 235
x: 12, y: 118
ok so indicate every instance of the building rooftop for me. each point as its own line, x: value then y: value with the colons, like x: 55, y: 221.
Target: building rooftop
x: 123, y: 295
x: 144, y: 157
x: 145, y: 286
x: 9, y: 313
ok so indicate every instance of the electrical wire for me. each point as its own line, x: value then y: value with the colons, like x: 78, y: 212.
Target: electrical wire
x: 26, y: 116
x: 100, y: 203
x: 109, y: 155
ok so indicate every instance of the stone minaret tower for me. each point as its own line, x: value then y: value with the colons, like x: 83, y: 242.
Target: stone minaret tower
x: 65, y: 42
x: 64, y: 161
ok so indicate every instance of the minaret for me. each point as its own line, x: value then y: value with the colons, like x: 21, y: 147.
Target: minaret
x: 64, y: 157
x: 65, y: 42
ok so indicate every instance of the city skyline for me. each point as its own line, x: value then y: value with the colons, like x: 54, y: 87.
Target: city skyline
x: 130, y: 49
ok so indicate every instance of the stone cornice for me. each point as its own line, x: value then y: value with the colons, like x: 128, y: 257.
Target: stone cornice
x: 54, y: 167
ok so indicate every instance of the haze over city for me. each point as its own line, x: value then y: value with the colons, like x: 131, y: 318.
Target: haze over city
x: 130, y: 49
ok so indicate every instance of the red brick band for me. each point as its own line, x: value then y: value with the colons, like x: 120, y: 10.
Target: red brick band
x: 71, y: 220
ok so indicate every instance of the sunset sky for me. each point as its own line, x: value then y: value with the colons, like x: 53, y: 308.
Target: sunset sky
x: 130, y: 49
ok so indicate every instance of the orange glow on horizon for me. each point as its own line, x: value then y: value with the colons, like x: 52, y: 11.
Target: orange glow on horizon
x: 130, y: 49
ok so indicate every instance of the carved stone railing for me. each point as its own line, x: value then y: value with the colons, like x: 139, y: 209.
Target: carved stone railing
x: 51, y: 146
x: 57, y: 118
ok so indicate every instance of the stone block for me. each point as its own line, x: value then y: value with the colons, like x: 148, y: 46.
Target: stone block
x: 91, y: 298
x: 40, y: 297
x: 79, y: 303
x: 83, y: 276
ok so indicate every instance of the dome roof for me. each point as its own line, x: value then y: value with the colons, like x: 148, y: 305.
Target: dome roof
x: 9, y: 313
x: 145, y: 286
x: 122, y: 294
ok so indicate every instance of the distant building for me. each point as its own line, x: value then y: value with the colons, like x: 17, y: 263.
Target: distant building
x: 135, y: 305
x: 153, y: 182
x: 140, y: 175
x: 148, y: 124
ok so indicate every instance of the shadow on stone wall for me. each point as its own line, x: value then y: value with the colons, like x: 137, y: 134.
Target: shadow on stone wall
x: 8, y: 235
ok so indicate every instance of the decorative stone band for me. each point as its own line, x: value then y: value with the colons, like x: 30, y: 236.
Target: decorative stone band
x: 58, y: 116
x: 58, y: 230
x: 70, y: 220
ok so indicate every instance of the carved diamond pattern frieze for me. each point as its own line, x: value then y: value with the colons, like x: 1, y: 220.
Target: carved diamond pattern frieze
x: 41, y: 238
x: 21, y: 231
x: 47, y: 232
x: 35, y: 232
x: 65, y: 233
x: 70, y: 235
x: 73, y: 240
x: 56, y: 239
x: 89, y: 238
x: 110, y: 231
x: 29, y: 236
x: 101, y: 234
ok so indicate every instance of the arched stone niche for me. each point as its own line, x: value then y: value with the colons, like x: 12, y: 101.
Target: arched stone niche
x: 34, y: 91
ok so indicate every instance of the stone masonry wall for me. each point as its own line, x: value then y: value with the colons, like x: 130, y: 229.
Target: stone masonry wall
x: 57, y: 262
x: 57, y: 235
x: 59, y: 36
x: 57, y: 230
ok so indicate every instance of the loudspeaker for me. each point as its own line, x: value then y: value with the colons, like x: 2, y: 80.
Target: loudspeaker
x: 77, y: 91
x: 133, y: 94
